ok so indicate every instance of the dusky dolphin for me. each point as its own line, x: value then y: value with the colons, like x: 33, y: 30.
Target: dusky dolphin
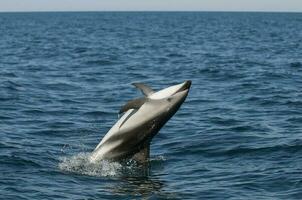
x: 131, y: 135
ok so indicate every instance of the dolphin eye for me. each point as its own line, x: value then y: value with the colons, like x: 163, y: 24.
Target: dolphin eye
x: 169, y: 99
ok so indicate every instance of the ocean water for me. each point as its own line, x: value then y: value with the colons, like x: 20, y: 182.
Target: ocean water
x: 64, y: 76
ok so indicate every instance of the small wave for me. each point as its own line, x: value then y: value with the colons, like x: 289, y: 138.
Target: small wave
x: 17, y: 161
x: 242, y: 128
x: 5, y: 117
x: 295, y: 119
x: 225, y: 121
x: 293, y: 147
x: 33, y: 111
x: 6, y: 99
x: 175, y: 55
x: 60, y: 86
x: 100, y: 62
x: 296, y: 64
x: 8, y: 74
x: 294, y: 103
x: 11, y: 85
x: 80, y: 49
x: 69, y: 101
x: 97, y: 113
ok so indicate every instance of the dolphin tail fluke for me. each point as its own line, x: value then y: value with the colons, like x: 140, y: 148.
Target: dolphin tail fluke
x: 143, y: 155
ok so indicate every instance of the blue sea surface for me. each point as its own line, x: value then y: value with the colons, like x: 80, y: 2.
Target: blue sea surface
x: 64, y: 77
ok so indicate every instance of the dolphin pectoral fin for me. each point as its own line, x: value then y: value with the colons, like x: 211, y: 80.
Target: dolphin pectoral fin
x: 133, y: 104
x: 146, y: 90
x: 143, y: 155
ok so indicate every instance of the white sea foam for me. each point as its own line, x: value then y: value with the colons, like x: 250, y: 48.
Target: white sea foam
x: 81, y: 164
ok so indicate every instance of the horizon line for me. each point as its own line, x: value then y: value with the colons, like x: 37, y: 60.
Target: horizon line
x: 234, y: 11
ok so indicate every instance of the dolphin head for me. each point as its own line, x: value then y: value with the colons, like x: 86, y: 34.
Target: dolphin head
x: 171, y: 98
x: 160, y: 106
x: 169, y: 92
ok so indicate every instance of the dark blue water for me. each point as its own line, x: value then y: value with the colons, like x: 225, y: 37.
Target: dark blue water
x: 64, y: 76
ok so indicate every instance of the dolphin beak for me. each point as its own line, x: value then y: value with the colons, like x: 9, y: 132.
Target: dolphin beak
x: 186, y: 86
x: 183, y: 91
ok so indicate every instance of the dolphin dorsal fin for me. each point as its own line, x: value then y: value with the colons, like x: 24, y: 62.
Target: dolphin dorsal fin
x: 146, y: 90
x: 133, y: 104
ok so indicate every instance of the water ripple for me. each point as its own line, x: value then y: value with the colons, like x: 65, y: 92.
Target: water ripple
x: 64, y: 76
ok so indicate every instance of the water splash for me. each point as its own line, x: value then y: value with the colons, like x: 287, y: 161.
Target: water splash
x: 80, y: 164
x: 158, y: 158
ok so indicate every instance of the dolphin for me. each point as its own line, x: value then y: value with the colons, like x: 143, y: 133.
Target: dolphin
x: 131, y: 135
